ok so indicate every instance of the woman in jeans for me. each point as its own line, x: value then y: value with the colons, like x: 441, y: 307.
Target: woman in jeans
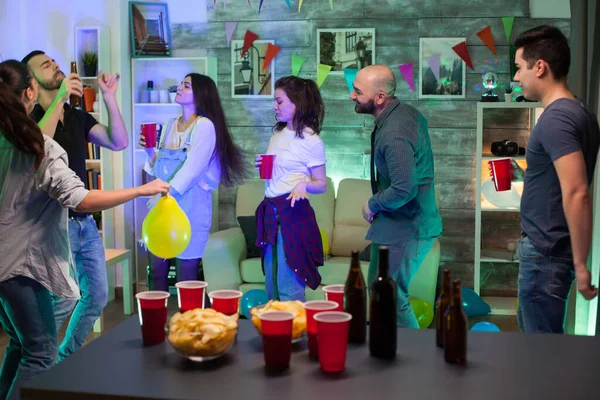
x: 36, y: 188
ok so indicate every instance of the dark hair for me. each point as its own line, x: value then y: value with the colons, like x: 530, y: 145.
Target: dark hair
x: 29, y: 56
x: 234, y: 167
x: 305, y: 95
x: 15, y: 124
x: 546, y: 43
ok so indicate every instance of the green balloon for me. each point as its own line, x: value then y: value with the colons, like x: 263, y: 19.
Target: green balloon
x: 423, y: 311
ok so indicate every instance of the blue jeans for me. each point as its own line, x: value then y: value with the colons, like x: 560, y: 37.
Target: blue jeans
x: 281, y: 282
x: 28, y: 319
x: 90, y: 273
x: 544, y: 285
x: 405, y: 259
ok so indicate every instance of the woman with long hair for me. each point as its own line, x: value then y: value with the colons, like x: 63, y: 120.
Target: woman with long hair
x: 194, y: 154
x: 286, y: 224
x: 36, y: 188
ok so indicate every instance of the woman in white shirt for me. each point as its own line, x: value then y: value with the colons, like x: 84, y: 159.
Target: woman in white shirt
x: 286, y: 225
x: 36, y: 188
x: 195, y: 152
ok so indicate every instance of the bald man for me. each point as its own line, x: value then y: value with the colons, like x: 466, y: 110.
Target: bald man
x: 402, y: 211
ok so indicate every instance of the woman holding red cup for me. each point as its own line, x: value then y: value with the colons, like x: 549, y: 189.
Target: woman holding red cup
x: 287, y: 229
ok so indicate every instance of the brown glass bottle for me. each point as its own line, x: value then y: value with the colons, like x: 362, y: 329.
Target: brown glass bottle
x: 455, y: 343
x: 355, y: 296
x: 382, y: 324
x: 74, y: 100
x: 441, y: 306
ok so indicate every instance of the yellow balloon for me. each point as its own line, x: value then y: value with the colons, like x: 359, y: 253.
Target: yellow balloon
x: 166, y: 230
x: 325, y: 242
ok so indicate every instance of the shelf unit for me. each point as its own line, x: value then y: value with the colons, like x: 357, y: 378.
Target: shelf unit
x: 499, y: 305
x: 164, y: 72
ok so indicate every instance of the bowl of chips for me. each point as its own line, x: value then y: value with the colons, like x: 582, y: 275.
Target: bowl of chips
x: 294, y: 306
x: 202, y: 335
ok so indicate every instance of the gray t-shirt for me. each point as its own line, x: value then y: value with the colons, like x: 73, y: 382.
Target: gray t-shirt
x: 565, y: 126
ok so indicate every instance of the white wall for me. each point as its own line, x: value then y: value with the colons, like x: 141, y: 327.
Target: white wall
x: 550, y: 8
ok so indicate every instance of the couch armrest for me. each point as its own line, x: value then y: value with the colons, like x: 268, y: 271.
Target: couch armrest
x: 221, y: 262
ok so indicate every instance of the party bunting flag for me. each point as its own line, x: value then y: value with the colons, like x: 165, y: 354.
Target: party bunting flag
x: 249, y: 4
x: 272, y: 51
x: 434, y: 65
x: 299, y: 5
x: 508, y: 25
x: 288, y: 4
x: 297, y: 62
x: 229, y: 28
x: 249, y: 38
x: 330, y: 4
x: 486, y: 37
x: 322, y: 73
x: 463, y: 53
x: 350, y: 75
x: 260, y: 6
x: 407, y: 73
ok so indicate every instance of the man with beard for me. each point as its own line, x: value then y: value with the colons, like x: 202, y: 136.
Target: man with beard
x: 402, y: 211
x: 73, y: 129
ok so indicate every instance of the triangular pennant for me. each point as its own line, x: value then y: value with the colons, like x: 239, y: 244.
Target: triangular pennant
x: 215, y: 3
x: 249, y: 5
x: 260, y: 6
x: 299, y: 5
x: 463, y: 52
x: 272, y: 51
x: 407, y: 73
x: 330, y: 4
x: 322, y: 73
x: 350, y: 75
x: 297, y: 62
x: 229, y: 28
x: 486, y: 37
x: 249, y: 38
x: 289, y: 4
x: 508, y: 25
x: 434, y: 64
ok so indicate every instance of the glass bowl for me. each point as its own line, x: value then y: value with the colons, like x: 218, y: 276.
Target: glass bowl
x: 202, y: 346
x: 299, y: 328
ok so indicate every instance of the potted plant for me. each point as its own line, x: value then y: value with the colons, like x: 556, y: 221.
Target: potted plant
x: 508, y: 93
x: 172, y: 93
x: 90, y: 63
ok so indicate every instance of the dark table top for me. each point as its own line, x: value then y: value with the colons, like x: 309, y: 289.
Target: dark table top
x: 499, y: 366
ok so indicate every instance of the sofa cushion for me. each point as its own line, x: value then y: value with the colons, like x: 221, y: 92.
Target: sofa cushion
x: 248, y: 226
x: 350, y: 228
x: 336, y: 269
x: 251, y: 271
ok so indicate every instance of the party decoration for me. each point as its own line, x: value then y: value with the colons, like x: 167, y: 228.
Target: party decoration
x: 166, y: 230
x: 484, y: 326
x: 423, y: 311
x: 288, y: 4
x: 325, y: 242
x: 508, y: 22
x: 322, y: 72
x: 272, y: 51
x: 259, y: 7
x: 350, y: 75
x: 299, y: 5
x: 486, y: 37
x: 297, y: 62
x: 249, y: 5
x: 434, y: 65
x: 331, y: 4
x: 407, y: 73
x: 463, y: 53
x: 229, y: 28
x: 252, y: 298
x: 473, y: 304
x: 249, y: 38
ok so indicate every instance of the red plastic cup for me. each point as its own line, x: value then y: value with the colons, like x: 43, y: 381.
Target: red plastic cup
x: 266, y: 166
x: 501, y: 172
x: 225, y: 301
x: 332, y: 334
x: 335, y: 293
x: 276, y: 328
x: 152, y: 310
x: 150, y: 132
x: 313, y: 307
x: 190, y: 295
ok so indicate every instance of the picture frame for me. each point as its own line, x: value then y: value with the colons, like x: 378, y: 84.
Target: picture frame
x: 149, y: 29
x: 346, y: 48
x: 452, y: 83
x: 248, y: 80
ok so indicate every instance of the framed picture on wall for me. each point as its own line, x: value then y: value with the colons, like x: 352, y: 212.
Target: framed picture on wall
x: 248, y: 78
x: 149, y: 29
x: 442, y: 73
x: 345, y: 48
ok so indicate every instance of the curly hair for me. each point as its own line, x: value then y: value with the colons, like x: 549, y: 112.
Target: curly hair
x: 310, y: 109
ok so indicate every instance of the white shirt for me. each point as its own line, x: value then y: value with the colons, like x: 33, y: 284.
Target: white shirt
x: 294, y: 157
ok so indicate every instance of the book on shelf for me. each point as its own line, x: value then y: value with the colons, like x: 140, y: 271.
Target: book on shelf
x: 94, y: 180
x: 93, y: 151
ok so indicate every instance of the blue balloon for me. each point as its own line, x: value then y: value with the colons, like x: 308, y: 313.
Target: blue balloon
x: 252, y: 298
x: 485, y: 327
x: 473, y: 304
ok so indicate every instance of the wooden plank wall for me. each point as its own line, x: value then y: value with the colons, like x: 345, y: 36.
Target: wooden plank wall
x: 399, y: 24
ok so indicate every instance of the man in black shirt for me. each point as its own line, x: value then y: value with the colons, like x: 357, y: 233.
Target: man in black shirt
x: 73, y: 128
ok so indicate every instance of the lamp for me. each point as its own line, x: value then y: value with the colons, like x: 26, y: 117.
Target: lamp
x: 246, y: 71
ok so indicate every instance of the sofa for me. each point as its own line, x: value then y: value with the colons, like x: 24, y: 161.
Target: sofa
x: 227, y: 266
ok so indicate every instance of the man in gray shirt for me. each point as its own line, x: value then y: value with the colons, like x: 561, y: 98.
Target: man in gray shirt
x: 402, y: 211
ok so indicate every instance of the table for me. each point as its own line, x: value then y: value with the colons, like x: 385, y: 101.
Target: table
x: 500, y: 366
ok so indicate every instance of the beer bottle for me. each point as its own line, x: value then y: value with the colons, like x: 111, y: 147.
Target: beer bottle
x: 355, y: 295
x: 74, y: 100
x: 455, y: 343
x: 441, y: 306
x: 382, y: 326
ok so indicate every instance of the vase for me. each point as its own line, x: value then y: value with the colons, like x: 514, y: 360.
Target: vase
x: 172, y: 96
x: 508, y: 97
x: 89, y: 70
